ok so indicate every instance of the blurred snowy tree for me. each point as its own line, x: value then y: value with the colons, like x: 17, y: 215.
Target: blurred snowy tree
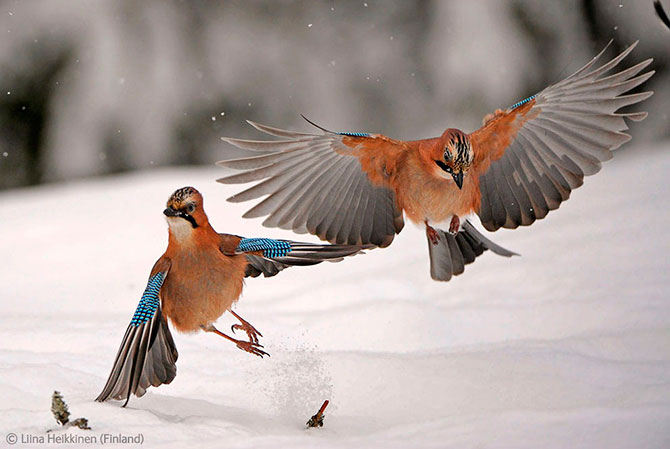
x: 89, y: 88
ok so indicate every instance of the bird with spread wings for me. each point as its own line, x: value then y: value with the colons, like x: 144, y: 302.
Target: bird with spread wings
x: 354, y: 188
x: 198, y: 278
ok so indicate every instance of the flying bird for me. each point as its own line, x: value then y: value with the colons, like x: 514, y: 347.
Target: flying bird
x: 523, y: 162
x: 198, y: 278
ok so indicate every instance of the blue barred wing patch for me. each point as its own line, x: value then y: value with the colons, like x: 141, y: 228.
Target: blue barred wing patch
x: 271, y: 248
x: 149, y: 302
x: 522, y: 102
x: 355, y: 134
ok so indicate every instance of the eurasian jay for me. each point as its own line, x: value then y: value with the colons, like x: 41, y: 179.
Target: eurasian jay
x: 523, y: 162
x: 198, y: 278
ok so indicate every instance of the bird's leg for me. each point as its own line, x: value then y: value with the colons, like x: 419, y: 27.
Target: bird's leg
x: 455, y: 224
x: 252, y: 348
x: 432, y: 234
x: 251, y: 331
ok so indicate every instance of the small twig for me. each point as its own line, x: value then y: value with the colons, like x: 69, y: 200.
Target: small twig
x: 317, y: 420
x: 82, y: 423
x: 59, y: 408
x: 62, y: 414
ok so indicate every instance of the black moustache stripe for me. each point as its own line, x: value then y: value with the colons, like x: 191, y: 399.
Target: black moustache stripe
x: 442, y: 165
x: 190, y: 219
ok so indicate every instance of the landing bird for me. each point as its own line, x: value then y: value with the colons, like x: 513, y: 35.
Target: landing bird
x: 522, y: 163
x: 197, y: 279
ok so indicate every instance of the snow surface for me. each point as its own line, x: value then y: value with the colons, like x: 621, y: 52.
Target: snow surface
x: 567, y: 346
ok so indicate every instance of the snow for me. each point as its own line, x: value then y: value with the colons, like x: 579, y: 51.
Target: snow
x: 566, y: 346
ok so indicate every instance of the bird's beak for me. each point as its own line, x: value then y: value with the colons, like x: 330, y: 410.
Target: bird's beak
x: 458, y: 179
x: 170, y: 212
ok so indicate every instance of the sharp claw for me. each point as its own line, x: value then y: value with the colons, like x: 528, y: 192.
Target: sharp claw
x: 251, y: 331
x: 252, y: 348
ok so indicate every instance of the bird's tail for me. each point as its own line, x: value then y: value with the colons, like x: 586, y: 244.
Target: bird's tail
x: 451, y: 253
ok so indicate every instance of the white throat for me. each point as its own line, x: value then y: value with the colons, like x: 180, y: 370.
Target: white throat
x: 180, y: 228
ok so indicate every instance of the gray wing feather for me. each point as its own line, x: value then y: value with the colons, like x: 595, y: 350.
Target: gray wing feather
x: 258, y: 265
x: 147, y: 357
x: 301, y: 254
x: 575, y: 131
x: 312, y: 187
x: 315, y: 199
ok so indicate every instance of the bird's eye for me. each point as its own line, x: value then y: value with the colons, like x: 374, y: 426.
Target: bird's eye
x: 191, y: 208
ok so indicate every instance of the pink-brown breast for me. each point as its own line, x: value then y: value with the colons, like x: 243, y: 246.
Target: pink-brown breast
x: 202, y: 284
x: 408, y: 168
x: 425, y: 193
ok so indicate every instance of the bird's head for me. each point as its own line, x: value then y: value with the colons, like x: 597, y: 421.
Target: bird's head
x: 454, y: 155
x: 184, y: 211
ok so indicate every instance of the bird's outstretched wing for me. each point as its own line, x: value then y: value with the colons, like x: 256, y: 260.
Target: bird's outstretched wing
x: 530, y: 156
x: 270, y: 256
x: 147, y: 356
x: 332, y: 185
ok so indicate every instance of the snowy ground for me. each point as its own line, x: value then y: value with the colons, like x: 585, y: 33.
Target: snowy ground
x: 567, y: 346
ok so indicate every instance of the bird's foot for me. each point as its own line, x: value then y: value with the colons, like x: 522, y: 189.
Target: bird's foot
x: 244, y: 325
x: 432, y: 234
x: 251, y: 331
x: 455, y: 225
x: 251, y: 348
x: 247, y: 346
